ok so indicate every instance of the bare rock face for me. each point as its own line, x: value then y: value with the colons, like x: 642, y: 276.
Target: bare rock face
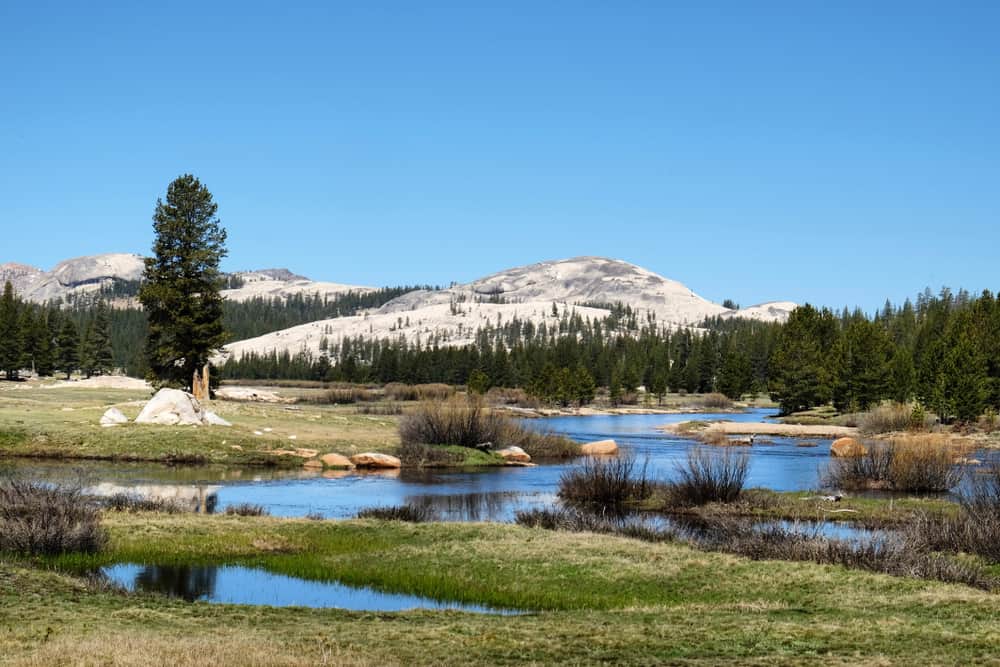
x: 113, y: 417
x: 847, y: 448
x: 599, y: 448
x: 375, y: 460
x: 515, y: 454
x: 215, y: 420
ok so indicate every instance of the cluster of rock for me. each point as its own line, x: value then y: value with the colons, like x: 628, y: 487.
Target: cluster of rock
x: 169, y: 407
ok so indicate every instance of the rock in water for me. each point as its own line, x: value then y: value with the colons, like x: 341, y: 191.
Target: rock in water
x: 172, y: 407
x: 847, y: 448
x: 333, y: 460
x: 113, y: 417
x: 599, y: 448
x: 515, y: 454
x: 375, y: 460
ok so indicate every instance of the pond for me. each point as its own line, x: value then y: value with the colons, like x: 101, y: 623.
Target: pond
x: 489, y: 494
x: 232, y: 584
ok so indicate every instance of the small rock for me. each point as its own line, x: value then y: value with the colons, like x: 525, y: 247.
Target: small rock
x: 375, y: 460
x: 847, y: 448
x: 332, y: 460
x: 236, y: 447
x: 514, y: 454
x: 599, y: 448
x: 293, y: 437
x: 113, y: 417
x: 258, y: 433
x: 268, y: 429
x: 313, y: 464
x: 214, y: 419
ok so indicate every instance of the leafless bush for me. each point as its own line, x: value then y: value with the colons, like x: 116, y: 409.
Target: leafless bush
x: 914, y: 463
x: 886, y: 418
x: 435, y: 391
x: 715, y: 401
x: 130, y: 502
x: 605, y: 481
x: 246, y: 509
x: 709, y: 476
x: 40, y: 519
x: 512, y: 396
x: 382, y: 409
x: 409, y: 512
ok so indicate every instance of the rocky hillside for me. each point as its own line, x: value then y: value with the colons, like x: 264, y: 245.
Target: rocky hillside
x: 539, y: 293
x: 81, y: 276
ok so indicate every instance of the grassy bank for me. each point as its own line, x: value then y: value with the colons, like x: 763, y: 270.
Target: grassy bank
x: 603, y: 599
x: 64, y: 423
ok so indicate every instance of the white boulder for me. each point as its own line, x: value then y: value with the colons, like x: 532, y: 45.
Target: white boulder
x: 113, y: 417
x: 173, y: 407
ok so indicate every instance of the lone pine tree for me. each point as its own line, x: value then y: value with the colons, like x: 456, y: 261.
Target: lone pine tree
x: 180, y: 292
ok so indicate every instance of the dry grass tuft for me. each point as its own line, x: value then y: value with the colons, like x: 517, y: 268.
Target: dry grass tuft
x: 39, y: 519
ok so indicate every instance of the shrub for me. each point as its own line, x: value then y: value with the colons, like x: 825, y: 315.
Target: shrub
x: 715, y: 401
x: 38, y: 519
x: 130, y: 502
x: 466, y: 422
x: 409, y: 512
x: 916, y: 463
x: 246, y: 509
x: 383, y: 409
x: 709, y: 477
x: 605, y: 481
x: 435, y: 391
x: 886, y: 418
x: 340, y: 395
x: 578, y: 520
x: 512, y: 396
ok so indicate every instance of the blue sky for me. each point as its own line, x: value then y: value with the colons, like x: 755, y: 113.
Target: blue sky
x: 839, y: 153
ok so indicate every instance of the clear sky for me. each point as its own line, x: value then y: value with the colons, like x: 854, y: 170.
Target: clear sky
x: 835, y: 152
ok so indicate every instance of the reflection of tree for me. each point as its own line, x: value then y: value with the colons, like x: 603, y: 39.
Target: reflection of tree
x: 183, y: 581
x: 487, y: 506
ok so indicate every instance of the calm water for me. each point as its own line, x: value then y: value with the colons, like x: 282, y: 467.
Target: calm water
x: 490, y: 494
x: 229, y: 584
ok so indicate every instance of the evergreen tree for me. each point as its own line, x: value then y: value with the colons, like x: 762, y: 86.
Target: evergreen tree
x: 966, y: 383
x: 180, y: 293
x: 11, y: 339
x: 861, y: 366
x: 97, y: 357
x: 735, y: 375
x: 69, y: 348
x: 800, y: 377
x: 584, y: 386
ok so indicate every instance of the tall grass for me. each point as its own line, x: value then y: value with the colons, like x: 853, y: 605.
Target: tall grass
x: 466, y: 422
x: 607, y: 482
x: 915, y: 463
x: 709, y: 476
x: 39, y: 519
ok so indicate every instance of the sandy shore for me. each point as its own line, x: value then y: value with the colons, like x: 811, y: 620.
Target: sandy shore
x: 758, y: 428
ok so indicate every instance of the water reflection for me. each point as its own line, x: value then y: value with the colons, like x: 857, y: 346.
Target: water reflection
x: 230, y: 584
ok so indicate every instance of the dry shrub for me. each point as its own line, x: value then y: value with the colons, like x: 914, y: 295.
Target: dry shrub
x: 886, y: 418
x: 410, y: 513
x: 466, y: 422
x: 246, y: 509
x: 131, y: 502
x: 381, y: 409
x: 708, y: 477
x: 607, y: 481
x: 342, y: 394
x: 435, y: 391
x: 915, y: 463
x: 715, y: 401
x: 512, y: 396
x: 40, y: 519
x: 720, y: 439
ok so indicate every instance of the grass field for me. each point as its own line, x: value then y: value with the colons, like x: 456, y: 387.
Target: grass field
x: 63, y: 423
x: 596, y: 599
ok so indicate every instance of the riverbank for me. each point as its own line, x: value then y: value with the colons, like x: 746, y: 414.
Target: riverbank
x: 595, y: 599
x: 706, y: 428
